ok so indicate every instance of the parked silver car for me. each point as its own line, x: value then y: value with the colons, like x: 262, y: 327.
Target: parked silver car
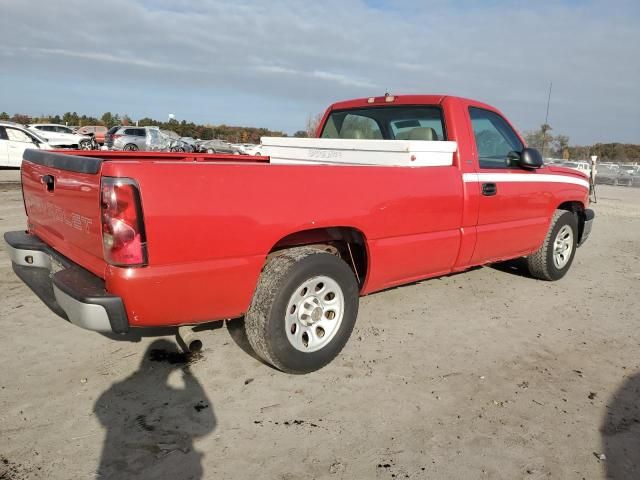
x: 139, y: 138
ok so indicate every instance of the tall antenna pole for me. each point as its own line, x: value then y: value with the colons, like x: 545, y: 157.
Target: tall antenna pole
x: 546, y: 120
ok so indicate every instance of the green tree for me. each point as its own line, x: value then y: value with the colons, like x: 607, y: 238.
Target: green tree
x: 107, y: 120
x: 71, y: 118
x: 4, y: 116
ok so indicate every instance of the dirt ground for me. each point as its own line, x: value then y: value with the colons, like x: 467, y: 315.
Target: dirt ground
x: 484, y: 374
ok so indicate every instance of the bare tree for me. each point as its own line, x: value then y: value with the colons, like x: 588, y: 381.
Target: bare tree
x: 312, y: 124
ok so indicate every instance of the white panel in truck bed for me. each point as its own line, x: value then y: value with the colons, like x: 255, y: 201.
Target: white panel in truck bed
x: 338, y: 151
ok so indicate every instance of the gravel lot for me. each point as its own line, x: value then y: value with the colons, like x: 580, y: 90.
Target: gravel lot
x: 484, y: 374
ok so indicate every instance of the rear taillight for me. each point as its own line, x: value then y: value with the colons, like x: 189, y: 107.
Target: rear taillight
x: 123, y: 237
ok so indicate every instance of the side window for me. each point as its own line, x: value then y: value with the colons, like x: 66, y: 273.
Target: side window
x: 141, y: 132
x: 129, y: 131
x: 495, y: 139
x: 18, y: 136
x: 3, y: 133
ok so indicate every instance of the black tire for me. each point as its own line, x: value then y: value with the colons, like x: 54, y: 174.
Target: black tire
x: 541, y: 264
x: 85, y: 145
x: 265, y: 321
x: 130, y: 147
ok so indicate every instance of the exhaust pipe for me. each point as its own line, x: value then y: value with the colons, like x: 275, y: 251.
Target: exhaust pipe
x: 189, y: 340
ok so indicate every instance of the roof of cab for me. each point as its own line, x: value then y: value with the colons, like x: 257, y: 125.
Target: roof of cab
x: 380, y: 100
x: 433, y: 99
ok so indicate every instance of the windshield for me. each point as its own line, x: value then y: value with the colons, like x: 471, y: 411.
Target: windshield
x: 387, y: 123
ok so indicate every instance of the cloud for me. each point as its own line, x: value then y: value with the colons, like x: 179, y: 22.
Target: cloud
x: 250, y: 61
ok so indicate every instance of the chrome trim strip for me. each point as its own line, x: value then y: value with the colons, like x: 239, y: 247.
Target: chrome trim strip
x: 523, y: 177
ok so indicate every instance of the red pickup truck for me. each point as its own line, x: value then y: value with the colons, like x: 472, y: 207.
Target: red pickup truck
x: 116, y: 242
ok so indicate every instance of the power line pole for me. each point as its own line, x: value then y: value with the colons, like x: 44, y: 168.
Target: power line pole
x: 546, y: 120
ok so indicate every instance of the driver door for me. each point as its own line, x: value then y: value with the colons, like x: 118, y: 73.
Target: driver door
x: 513, y: 208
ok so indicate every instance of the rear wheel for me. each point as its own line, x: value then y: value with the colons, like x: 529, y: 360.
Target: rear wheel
x: 130, y: 147
x: 303, y: 310
x: 554, y: 258
x: 85, y: 145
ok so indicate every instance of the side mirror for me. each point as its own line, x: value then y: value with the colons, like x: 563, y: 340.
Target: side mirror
x: 531, y: 158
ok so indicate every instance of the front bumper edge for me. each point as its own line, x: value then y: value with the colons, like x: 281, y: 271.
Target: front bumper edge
x: 589, y: 215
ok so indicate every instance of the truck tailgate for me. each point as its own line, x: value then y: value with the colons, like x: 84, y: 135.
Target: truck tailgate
x: 62, y: 200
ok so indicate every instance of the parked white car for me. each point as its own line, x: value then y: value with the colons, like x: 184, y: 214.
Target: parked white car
x: 61, y: 136
x: 581, y: 166
x: 14, y: 140
x: 253, y: 150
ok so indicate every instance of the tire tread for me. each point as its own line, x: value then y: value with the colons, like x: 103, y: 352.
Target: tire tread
x: 273, y: 275
x: 537, y: 262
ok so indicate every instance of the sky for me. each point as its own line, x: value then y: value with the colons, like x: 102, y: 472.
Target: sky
x: 273, y: 63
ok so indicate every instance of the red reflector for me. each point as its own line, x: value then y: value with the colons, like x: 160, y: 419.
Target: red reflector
x: 123, y: 237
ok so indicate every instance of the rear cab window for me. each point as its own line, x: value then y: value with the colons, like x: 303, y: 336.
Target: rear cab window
x: 387, y: 123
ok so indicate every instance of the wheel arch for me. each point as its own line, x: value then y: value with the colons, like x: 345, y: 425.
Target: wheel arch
x: 578, y: 209
x: 347, y: 242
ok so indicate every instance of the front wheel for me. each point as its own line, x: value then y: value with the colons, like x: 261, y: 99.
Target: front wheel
x: 553, y: 259
x: 86, y: 145
x: 303, y: 310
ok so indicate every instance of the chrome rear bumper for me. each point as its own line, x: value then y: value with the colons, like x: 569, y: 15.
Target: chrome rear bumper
x: 67, y: 289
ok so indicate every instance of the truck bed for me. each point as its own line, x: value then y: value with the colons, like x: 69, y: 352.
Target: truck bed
x: 213, y: 219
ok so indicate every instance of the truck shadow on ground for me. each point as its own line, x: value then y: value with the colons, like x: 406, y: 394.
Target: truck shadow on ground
x: 517, y: 266
x: 620, y: 431
x: 152, y: 424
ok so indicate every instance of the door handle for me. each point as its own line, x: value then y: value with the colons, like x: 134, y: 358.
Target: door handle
x: 489, y: 189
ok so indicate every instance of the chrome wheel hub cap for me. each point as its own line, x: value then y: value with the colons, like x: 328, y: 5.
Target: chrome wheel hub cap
x: 563, y: 247
x: 314, y: 314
